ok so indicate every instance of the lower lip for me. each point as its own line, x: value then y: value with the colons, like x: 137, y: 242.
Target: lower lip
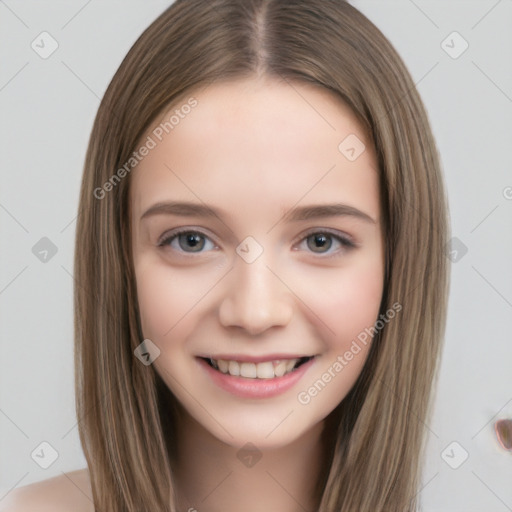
x: 256, y: 388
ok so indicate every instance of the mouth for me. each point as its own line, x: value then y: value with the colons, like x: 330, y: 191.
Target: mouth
x: 262, y: 370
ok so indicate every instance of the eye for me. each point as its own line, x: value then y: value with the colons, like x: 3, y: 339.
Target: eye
x: 189, y: 241
x: 319, y: 242
x: 325, y: 242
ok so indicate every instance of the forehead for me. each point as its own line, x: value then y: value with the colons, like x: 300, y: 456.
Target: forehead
x: 256, y: 138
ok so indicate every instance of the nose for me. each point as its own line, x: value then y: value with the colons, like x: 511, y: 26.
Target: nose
x: 255, y: 299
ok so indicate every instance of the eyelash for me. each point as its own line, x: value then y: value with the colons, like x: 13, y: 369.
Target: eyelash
x: 344, y: 241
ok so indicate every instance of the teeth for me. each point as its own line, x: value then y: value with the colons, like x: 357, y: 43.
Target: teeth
x: 234, y: 368
x: 223, y: 365
x: 290, y: 365
x: 280, y: 368
x: 266, y: 370
x: 248, y: 370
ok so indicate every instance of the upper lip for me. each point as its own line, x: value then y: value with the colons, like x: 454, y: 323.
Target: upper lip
x: 254, y: 359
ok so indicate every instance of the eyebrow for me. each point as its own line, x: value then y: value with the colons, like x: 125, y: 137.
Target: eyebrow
x: 303, y: 213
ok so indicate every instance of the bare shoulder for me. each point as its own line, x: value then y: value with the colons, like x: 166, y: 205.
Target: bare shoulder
x: 68, y: 492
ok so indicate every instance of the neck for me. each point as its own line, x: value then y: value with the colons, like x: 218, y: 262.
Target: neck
x: 211, y: 476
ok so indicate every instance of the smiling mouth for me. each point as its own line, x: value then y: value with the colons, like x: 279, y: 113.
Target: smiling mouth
x: 264, y: 370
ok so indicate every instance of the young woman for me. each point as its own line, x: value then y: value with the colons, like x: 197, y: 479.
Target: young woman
x: 260, y: 272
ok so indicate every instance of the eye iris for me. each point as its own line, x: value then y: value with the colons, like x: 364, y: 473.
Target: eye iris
x: 192, y: 241
x: 319, y: 241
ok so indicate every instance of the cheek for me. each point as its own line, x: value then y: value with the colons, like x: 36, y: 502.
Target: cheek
x: 342, y: 303
x: 358, y: 303
x: 169, y: 301
x: 347, y: 306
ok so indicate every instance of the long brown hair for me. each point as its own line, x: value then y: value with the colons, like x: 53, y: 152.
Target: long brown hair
x: 123, y: 408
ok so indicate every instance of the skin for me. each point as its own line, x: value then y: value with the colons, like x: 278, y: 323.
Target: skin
x: 255, y: 149
x: 63, y: 493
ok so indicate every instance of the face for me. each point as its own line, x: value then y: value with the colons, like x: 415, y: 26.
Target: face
x: 257, y: 243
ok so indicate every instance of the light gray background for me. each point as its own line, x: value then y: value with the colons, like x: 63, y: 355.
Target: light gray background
x: 47, y: 108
